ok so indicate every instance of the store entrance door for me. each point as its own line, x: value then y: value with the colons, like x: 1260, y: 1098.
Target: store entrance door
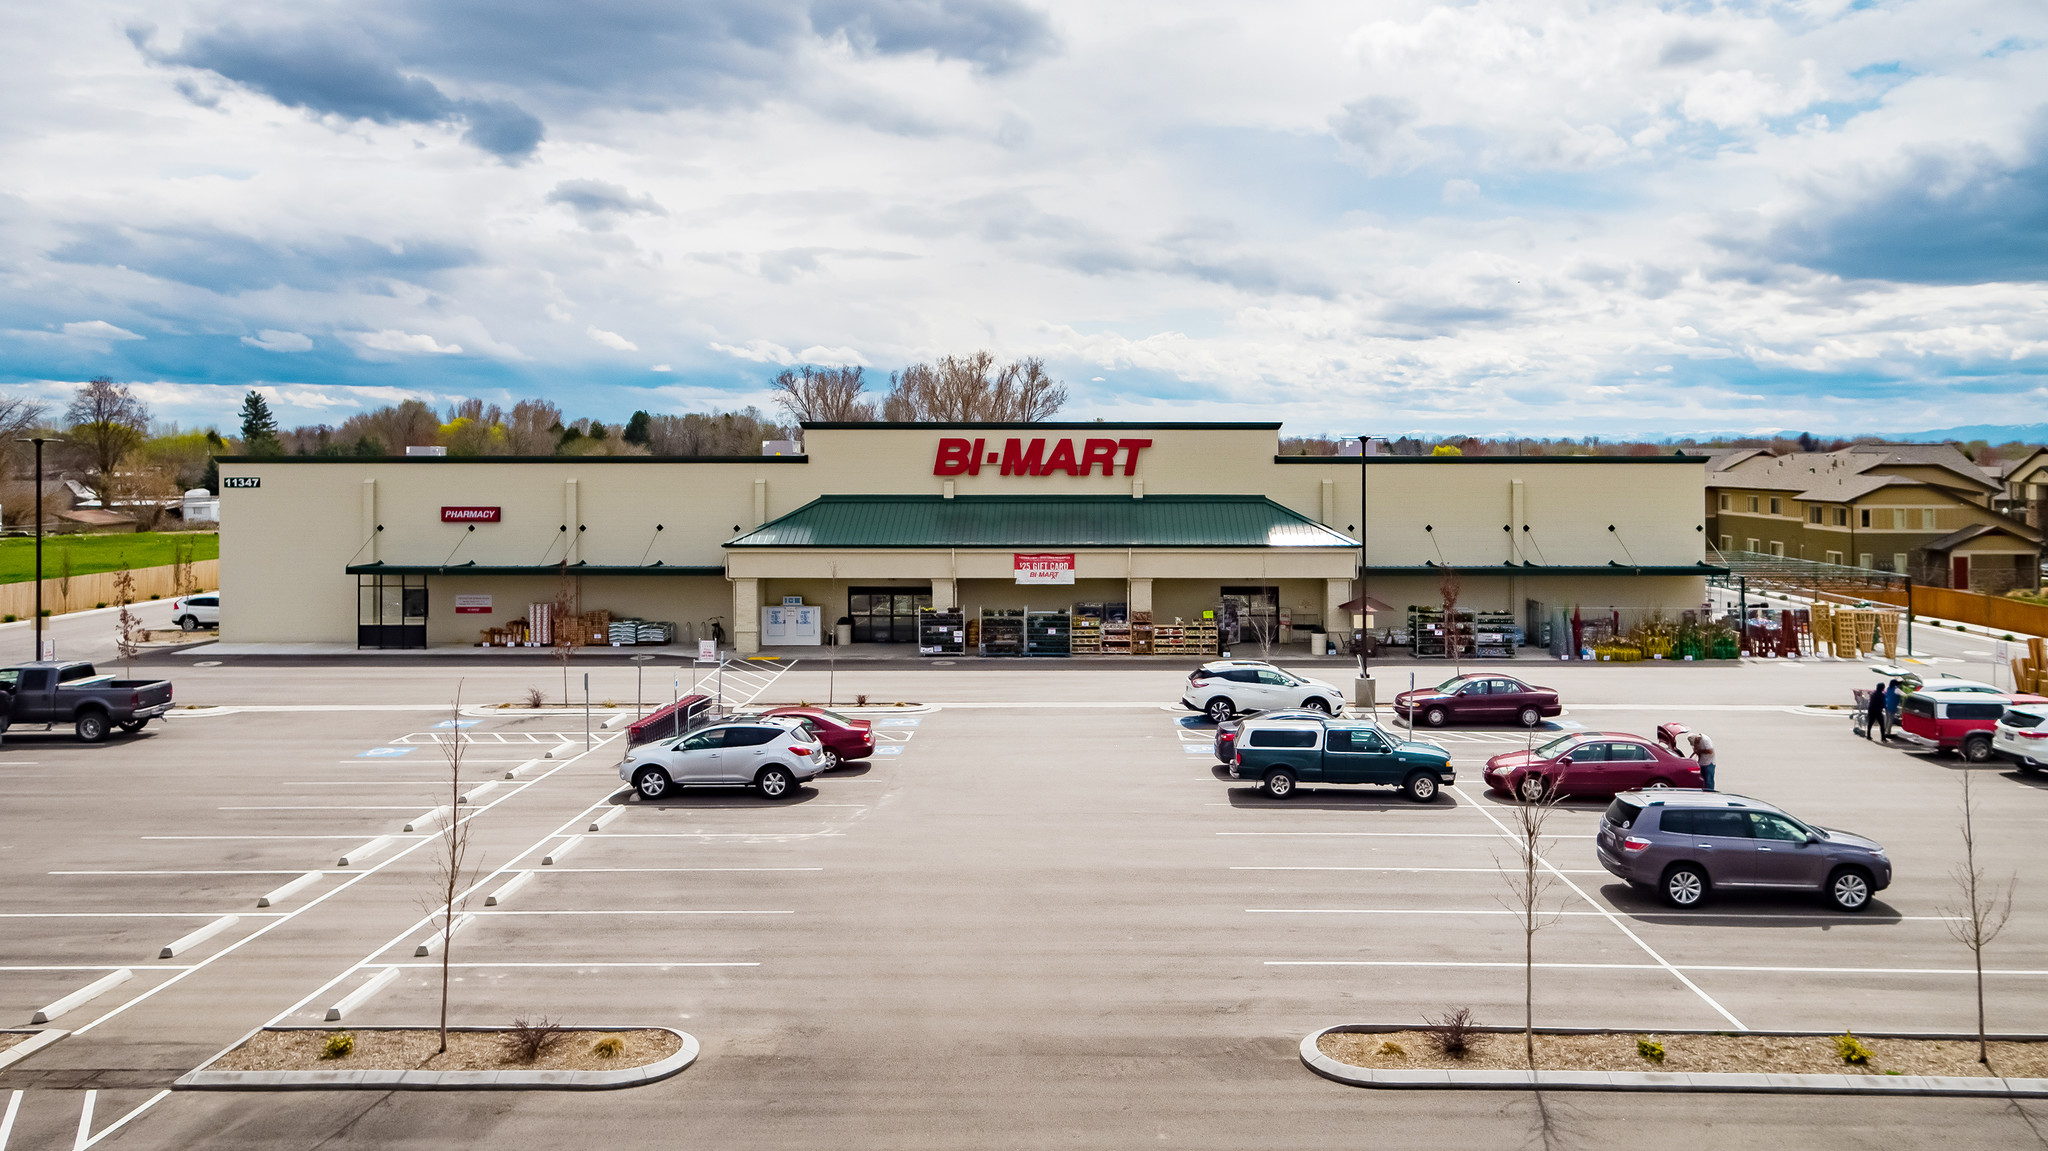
x: 1251, y: 615
x: 886, y: 614
x: 391, y: 611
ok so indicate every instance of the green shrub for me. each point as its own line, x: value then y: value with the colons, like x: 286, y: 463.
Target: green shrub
x: 338, y: 1046
x: 9, y: 619
x: 44, y: 612
x: 1650, y: 1049
x: 99, y: 605
x: 608, y: 1047
x: 1851, y: 1049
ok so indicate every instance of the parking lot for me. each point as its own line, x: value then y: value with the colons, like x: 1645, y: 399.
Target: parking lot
x: 1039, y: 916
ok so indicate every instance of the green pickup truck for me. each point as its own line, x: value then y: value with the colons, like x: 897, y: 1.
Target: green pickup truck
x: 1285, y: 754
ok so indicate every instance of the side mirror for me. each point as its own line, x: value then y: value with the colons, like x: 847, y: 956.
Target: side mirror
x: 1565, y: 762
x: 1812, y: 838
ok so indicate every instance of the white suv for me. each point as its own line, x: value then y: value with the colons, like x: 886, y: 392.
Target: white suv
x: 1225, y: 687
x: 192, y: 612
x: 2022, y: 736
x: 772, y: 755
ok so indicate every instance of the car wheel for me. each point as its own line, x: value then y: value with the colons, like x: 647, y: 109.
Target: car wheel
x: 827, y: 759
x: 1977, y: 749
x: 1317, y: 704
x: 1219, y: 710
x: 1435, y: 717
x: 1280, y: 784
x: 1684, y: 886
x: 187, y: 623
x: 1533, y: 788
x: 775, y: 783
x: 92, y: 727
x: 652, y: 783
x: 1658, y: 785
x: 1421, y: 787
x: 1849, y: 889
x: 1531, y: 717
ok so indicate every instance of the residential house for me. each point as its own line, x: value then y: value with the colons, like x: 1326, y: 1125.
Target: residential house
x: 1921, y: 510
x: 2025, y: 484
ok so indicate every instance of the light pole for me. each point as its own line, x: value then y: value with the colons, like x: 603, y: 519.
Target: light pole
x: 39, y: 441
x: 1364, y: 551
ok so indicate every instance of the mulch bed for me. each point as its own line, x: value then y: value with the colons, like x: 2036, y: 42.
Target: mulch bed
x: 1727, y: 1054
x: 418, y: 1050
x: 10, y: 1038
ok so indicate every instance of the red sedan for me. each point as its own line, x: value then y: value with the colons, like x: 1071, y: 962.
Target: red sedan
x: 845, y: 738
x: 1591, y: 763
x: 1481, y: 697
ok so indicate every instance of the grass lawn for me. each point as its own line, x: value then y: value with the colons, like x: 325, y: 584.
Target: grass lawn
x: 100, y: 553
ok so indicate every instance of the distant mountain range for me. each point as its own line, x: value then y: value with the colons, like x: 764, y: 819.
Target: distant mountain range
x: 1993, y: 433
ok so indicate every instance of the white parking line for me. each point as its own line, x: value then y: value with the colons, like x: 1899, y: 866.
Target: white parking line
x: 1394, y: 834
x: 394, y: 967
x: 660, y: 911
x: 1479, y: 870
x: 572, y: 870
x: 1818, y: 917
x: 123, y: 1121
x: 1959, y: 971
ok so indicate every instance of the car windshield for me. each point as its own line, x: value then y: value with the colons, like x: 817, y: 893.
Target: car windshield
x: 1557, y: 746
x: 1453, y: 683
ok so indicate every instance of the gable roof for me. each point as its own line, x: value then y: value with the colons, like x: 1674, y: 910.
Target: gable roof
x: 1021, y: 523
x: 1851, y: 473
x: 1977, y: 531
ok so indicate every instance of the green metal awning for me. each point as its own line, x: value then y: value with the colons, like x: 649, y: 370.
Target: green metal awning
x: 1012, y: 522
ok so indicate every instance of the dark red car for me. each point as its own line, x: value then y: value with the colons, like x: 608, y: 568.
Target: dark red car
x: 1481, y: 697
x: 846, y: 739
x: 1591, y: 763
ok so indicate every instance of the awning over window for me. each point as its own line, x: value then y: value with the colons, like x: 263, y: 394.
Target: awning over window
x: 1023, y: 522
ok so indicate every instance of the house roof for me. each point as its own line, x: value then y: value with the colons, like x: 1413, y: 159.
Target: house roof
x: 1978, y: 531
x: 1025, y: 522
x: 1851, y: 473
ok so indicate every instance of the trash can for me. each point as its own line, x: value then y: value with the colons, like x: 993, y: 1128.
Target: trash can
x: 842, y: 632
x: 1318, y: 643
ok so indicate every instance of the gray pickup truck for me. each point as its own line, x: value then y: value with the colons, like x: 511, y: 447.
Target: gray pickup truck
x: 73, y: 693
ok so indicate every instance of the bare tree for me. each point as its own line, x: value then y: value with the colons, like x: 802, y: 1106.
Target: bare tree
x: 1450, y: 587
x: 1529, y: 881
x: 107, y: 423
x: 1982, y: 911
x: 823, y: 394
x: 559, y: 611
x: 126, y: 643
x: 453, y: 875
x: 972, y: 389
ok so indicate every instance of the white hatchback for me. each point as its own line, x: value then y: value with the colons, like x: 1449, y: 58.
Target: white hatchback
x: 2022, y: 737
x: 192, y: 612
x: 1223, y: 688
x: 771, y: 754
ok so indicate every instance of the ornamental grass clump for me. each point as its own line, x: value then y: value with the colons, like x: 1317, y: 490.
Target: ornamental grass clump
x: 338, y: 1045
x: 608, y: 1048
x: 1650, y: 1049
x: 1452, y: 1033
x: 1852, y: 1050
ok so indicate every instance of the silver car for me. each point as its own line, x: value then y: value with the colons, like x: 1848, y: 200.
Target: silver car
x: 771, y: 754
x: 1687, y: 844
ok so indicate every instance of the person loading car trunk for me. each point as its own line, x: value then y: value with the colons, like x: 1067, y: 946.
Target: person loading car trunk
x: 1874, y: 715
x: 1703, y: 750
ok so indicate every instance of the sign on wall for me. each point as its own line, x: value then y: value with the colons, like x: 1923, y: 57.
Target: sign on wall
x: 469, y: 515
x: 472, y: 605
x: 1044, y: 567
x: 241, y: 481
x: 1033, y: 458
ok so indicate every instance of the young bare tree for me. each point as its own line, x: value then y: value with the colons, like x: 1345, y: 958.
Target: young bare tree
x: 972, y: 389
x: 126, y: 641
x: 453, y: 874
x: 1450, y: 587
x: 1983, y: 906
x: 107, y: 423
x: 824, y: 394
x: 559, y: 611
x: 1529, y: 882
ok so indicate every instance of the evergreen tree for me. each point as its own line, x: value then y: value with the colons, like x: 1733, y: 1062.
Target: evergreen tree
x: 259, y: 427
x: 636, y: 429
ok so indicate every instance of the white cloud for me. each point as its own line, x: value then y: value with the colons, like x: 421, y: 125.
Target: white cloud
x: 406, y: 343
x: 97, y: 330
x: 1460, y: 191
x: 612, y: 340
x: 758, y: 351
x: 661, y: 368
x: 272, y: 340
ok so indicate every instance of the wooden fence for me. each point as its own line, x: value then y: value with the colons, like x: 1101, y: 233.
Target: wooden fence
x: 85, y: 592
x: 1983, y: 609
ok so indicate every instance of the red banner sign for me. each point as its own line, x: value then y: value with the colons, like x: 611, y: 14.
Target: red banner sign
x: 1033, y: 458
x: 1044, y: 567
x: 469, y: 515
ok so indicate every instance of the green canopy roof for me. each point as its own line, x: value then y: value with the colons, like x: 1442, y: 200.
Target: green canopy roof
x: 1073, y: 521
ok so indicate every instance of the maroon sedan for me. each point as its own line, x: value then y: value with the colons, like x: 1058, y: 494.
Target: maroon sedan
x: 845, y: 738
x: 1481, y: 697
x: 1591, y: 763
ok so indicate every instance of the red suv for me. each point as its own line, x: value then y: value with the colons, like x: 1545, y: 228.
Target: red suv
x: 1955, y: 720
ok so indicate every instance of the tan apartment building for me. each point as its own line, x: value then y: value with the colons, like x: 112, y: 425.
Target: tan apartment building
x: 874, y: 521
x: 2025, y: 484
x: 1920, y: 510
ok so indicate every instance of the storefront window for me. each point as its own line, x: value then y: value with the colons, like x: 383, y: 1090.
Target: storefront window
x: 391, y: 611
x: 886, y: 614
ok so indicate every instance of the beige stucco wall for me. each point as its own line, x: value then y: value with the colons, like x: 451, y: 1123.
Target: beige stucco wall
x: 285, y: 545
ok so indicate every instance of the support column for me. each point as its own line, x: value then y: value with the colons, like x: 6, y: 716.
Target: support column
x: 746, y: 616
x: 572, y: 548
x: 1141, y: 594
x: 1337, y: 621
x: 368, y: 553
x: 943, y: 597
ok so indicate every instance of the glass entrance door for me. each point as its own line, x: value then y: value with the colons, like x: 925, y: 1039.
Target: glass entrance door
x: 886, y: 614
x: 391, y: 611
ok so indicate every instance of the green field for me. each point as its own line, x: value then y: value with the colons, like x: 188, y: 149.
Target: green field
x: 100, y: 553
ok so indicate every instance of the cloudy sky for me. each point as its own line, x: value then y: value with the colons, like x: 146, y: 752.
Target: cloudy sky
x: 1526, y: 215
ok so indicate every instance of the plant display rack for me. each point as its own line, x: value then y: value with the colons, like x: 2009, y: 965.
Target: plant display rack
x: 1002, y: 631
x: 1046, y: 633
x: 941, y: 631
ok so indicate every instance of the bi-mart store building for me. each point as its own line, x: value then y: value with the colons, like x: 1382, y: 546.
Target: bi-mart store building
x: 1184, y: 521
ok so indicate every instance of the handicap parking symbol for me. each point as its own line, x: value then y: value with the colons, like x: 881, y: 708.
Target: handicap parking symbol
x: 458, y: 724
x: 900, y: 721
x: 890, y: 749
x: 383, y: 752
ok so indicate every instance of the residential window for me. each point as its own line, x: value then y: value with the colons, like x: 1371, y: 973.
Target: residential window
x: 1834, y: 557
x: 1841, y: 517
x: 1864, y: 560
x: 1899, y: 562
x: 1724, y: 501
x: 1727, y: 543
x: 1751, y: 544
x: 1899, y: 519
x: 1813, y: 515
x: 1865, y: 518
x: 1774, y: 505
x: 1926, y: 519
x: 1752, y: 503
x: 1778, y: 548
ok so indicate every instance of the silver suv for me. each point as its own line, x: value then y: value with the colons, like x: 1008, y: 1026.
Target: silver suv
x: 772, y: 754
x: 1686, y: 845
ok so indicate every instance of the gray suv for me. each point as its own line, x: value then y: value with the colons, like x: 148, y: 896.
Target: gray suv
x: 1687, y: 844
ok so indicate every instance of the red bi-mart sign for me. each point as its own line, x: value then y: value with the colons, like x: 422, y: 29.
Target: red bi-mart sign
x: 1031, y: 458
x: 1044, y: 567
x: 469, y: 515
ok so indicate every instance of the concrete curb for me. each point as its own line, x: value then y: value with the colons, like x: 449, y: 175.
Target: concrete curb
x: 1507, y: 1080
x: 27, y: 1047
x: 204, y: 1080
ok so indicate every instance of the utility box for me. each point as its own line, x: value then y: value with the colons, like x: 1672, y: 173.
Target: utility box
x: 792, y: 625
